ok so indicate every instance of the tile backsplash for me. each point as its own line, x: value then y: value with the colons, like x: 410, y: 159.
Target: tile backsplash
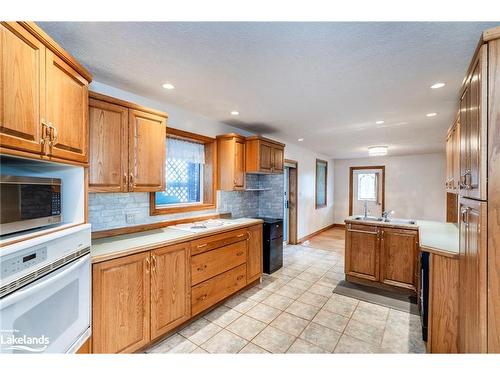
x: 116, y: 210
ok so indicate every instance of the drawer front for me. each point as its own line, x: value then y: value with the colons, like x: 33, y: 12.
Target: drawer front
x: 219, y: 240
x: 214, y: 262
x: 217, y: 288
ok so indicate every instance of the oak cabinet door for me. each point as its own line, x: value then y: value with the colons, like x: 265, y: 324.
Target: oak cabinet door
x: 362, y: 252
x: 108, y: 128
x: 147, y: 142
x: 278, y: 161
x: 121, y: 304
x: 456, y: 157
x: 170, y: 288
x: 22, y: 89
x: 449, y: 162
x: 67, y: 110
x: 254, y: 256
x: 398, y: 257
x: 265, y: 157
x: 239, y: 164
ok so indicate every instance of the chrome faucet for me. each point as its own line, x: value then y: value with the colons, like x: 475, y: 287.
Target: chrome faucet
x: 366, y: 210
x: 387, y: 215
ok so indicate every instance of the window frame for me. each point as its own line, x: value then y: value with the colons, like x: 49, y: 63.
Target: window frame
x: 208, y: 192
x: 316, y: 204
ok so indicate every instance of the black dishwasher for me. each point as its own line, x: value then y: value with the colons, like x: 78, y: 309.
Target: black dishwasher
x: 272, y: 243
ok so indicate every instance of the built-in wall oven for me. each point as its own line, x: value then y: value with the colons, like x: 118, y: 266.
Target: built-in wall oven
x: 28, y: 202
x: 45, y: 293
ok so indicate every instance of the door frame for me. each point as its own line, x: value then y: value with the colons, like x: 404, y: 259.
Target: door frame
x: 351, y: 173
x: 293, y: 185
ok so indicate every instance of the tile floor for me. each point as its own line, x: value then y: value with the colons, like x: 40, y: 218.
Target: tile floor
x: 295, y: 311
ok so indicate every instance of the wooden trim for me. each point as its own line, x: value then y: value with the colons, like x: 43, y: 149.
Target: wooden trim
x: 153, y: 210
x: 86, y: 347
x: 188, y: 136
x: 293, y: 222
x: 151, y: 226
x: 124, y: 103
x: 490, y: 34
x: 339, y: 225
x: 295, y: 163
x: 29, y: 155
x: 309, y: 236
x: 317, y: 206
x: 260, y: 138
x: 351, y: 173
x: 380, y: 285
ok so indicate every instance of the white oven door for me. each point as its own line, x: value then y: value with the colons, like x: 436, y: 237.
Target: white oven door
x: 48, y: 315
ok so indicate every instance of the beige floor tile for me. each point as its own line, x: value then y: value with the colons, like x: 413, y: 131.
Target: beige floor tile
x: 240, y: 303
x: 322, y: 290
x: 222, y: 316
x: 224, y: 342
x: 278, y: 301
x: 304, y: 347
x: 331, y: 320
x: 290, y: 292
x: 263, y: 313
x: 349, y: 344
x: 342, y: 306
x: 365, y: 332
x: 308, y: 277
x: 251, y: 348
x: 371, y: 314
x: 302, y: 310
x: 173, y: 344
x: 300, y: 284
x: 316, y: 271
x: 199, y: 350
x: 321, y: 336
x: 246, y: 327
x: 256, y: 294
x: 289, y: 323
x: 274, y: 340
x: 200, y: 331
x: 312, y: 299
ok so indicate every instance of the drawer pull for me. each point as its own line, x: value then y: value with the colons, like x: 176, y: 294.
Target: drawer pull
x: 361, y: 231
x: 202, y: 298
x: 200, y: 246
x: 241, y: 235
x: 240, y: 277
x: 239, y: 253
x: 201, y: 268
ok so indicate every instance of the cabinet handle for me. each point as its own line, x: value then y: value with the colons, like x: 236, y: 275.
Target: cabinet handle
x: 201, y: 298
x: 131, y: 181
x: 44, y: 135
x: 248, y: 236
x: 153, y: 263
x: 239, y: 253
x: 361, y: 231
x: 203, y: 245
x: 202, y: 267
x: 124, y: 179
x: 240, y: 277
x: 148, y: 265
x: 240, y: 235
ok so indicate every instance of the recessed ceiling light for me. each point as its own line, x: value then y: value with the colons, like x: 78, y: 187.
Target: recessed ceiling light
x: 377, y: 150
x: 235, y: 113
x: 168, y: 86
x: 300, y: 139
x: 438, y: 85
x: 379, y: 122
x: 432, y: 114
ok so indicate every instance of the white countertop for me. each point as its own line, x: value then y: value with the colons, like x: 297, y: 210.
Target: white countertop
x: 126, y: 244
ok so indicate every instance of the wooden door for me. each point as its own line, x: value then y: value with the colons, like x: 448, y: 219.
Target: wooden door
x: 254, y: 253
x: 473, y: 278
x: 170, y: 288
x: 120, y: 304
x: 362, y: 252
x: 265, y: 157
x: 22, y: 89
x: 398, y: 257
x: 108, y: 128
x: 147, y: 145
x: 278, y: 159
x: 67, y: 110
x: 239, y: 163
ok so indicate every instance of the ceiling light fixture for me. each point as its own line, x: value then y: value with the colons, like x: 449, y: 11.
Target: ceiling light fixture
x: 379, y: 122
x: 300, y: 139
x: 438, y: 85
x: 432, y: 114
x: 168, y: 86
x: 235, y: 113
x: 377, y: 150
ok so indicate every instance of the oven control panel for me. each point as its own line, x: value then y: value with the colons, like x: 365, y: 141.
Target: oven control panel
x: 22, y: 261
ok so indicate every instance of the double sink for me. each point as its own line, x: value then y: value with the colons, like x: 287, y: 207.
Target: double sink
x: 386, y: 220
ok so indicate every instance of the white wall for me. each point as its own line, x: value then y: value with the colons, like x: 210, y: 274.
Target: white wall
x: 414, y: 185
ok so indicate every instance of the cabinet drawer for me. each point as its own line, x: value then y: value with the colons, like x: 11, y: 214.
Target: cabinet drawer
x: 214, y: 262
x: 219, y: 240
x: 217, y: 288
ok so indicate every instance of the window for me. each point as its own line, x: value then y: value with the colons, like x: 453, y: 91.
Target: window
x: 367, y: 187
x: 189, y: 179
x: 321, y: 182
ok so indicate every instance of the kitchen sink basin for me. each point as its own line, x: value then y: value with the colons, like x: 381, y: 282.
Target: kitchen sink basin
x: 381, y: 219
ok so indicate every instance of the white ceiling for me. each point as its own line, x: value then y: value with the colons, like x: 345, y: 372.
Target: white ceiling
x: 325, y: 82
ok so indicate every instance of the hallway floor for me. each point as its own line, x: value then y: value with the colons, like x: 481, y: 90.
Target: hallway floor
x: 294, y: 310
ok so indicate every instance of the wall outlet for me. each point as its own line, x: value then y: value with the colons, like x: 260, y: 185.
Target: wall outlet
x: 130, y: 218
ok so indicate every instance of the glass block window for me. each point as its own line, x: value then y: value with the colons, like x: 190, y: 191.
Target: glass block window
x: 367, y: 187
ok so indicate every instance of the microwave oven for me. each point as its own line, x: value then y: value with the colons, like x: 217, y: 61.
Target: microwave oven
x: 29, y: 202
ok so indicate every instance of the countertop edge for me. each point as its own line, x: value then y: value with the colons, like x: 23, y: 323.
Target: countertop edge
x: 441, y: 252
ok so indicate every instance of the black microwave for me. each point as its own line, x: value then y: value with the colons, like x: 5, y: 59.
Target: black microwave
x: 28, y: 203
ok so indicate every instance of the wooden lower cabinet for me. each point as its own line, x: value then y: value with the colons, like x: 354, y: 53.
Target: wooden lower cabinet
x: 254, y: 253
x: 170, y: 288
x: 362, y: 249
x: 443, y: 305
x: 120, y: 304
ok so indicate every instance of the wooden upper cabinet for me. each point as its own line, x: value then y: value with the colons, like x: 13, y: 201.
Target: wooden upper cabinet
x: 254, y: 255
x: 453, y: 157
x: 399, y: 257
x: 264, y: 155
x: 108, y: 128
x: 147, y: 140
x: 473, y: 134
x: 22, y: 89
x: 121, y: 304
x: 170, y: 288
x: 231, y: 162
x: 362, y: 251
x: 67, y: 110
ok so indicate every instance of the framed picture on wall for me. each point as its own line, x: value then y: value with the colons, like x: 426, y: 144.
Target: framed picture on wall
x: 321, y: 183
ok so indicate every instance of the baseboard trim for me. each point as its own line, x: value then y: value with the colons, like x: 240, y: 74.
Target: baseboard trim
x: 309, y: 236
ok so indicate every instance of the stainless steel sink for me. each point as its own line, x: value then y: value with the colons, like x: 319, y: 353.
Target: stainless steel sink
x: 381, y: 219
